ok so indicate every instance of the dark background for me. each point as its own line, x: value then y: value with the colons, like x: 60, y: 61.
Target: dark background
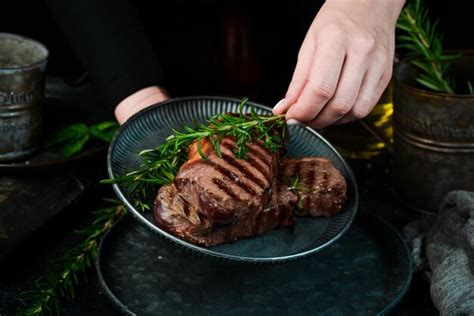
x: 192, y: 40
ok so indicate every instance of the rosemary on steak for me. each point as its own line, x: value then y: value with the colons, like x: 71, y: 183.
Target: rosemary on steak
x: 295, y: 186
x: 161, y: 164
x: 424, y: 44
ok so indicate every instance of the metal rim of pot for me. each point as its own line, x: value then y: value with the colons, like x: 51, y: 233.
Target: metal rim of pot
x: 27, y: 66
x: 445, y: 147
x: 430, y: 92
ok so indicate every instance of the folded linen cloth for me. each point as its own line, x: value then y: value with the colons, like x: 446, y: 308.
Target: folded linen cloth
x: 449, y: 250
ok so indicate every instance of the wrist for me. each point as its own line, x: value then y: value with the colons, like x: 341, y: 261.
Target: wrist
x: 389, y: 8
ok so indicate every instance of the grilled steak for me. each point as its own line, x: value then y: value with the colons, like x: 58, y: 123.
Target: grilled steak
x: 323, y: 188
x: 216, y: 200
x: 224, y: 190
x: 178, y: 217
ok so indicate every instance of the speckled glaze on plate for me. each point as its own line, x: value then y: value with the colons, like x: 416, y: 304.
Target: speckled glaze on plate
x: 150, y: 128
x: 366, y: 272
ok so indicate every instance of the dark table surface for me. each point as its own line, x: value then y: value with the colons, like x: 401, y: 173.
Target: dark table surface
x: 40, y: 210
x: 32, y: 257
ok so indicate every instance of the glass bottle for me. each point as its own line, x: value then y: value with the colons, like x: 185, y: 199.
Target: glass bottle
x: 352, y: 140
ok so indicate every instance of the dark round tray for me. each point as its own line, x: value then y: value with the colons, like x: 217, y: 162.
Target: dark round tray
x: 153, y: 125
x: 367, y: 272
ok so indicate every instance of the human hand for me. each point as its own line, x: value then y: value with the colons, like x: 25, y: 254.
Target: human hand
x: 138, y: 101
x: 344, y: 64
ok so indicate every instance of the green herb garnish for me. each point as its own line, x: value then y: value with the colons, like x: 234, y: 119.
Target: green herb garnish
x: 161, y: 164
x: 424, y: 45
x: 48, y: 292
x: 74, y: 137
x: 295, y: 186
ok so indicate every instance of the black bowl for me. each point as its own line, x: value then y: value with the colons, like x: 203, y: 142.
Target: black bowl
x: 150, y: 127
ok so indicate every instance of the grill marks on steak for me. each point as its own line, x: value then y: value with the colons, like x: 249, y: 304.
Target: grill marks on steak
x: 222, y: 200
x: 225, y: 189
x: 323, y: 187
x: 181, y: 219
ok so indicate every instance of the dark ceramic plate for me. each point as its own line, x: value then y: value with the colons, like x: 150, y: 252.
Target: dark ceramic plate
x: 367, y: 272
x: 150, y: 127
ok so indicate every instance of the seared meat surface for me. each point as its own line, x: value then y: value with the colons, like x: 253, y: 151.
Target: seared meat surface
x: 323, y: 188
x: 218, y: 200
x: 228, y: 188
x: 182, y: 219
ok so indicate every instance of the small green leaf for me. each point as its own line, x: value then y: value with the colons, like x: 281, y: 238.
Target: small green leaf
x: 428, y: 84
x: 469, y: 86
x: 199, y: 149
x: 241, y: 106
x: 66, y: 134
x: 104, y: 131
x: 76, y: 146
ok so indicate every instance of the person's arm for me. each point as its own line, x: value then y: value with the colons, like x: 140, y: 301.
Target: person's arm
x: 344, y: 64
x: 110, y: 41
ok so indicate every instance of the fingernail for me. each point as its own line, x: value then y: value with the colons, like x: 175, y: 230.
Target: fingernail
x: 292, y: 122
x: 275, y: 108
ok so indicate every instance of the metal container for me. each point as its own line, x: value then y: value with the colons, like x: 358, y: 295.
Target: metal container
x: 433, y: 138
x: 22, y: 76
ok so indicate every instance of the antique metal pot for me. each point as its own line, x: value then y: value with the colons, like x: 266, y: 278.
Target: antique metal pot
x: 433, y: 138
x: 22, y: 76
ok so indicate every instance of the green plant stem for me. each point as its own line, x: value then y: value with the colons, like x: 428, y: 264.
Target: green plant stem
x: 429, y: 55
x: 161, y: 164
x: 424, y: 44
x: 46, y: 295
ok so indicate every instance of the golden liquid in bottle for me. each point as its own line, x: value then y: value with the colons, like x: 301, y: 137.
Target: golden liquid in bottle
x: 352, y: 140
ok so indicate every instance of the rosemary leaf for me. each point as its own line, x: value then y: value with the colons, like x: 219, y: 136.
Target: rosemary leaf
x: 424, y: 44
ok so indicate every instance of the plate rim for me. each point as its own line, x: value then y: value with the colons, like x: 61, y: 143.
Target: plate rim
x: 206, y: 251
x: 389, y: 307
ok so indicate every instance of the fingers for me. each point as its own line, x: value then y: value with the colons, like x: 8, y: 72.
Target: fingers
x: 348, y: 87
x: 321, y: 83
x: 373, y: 86
x: 300, y: 75
x: 138, y: 101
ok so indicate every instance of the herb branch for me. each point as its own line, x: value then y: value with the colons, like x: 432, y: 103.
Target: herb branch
x: 424, y: 44
x: 297, y: 188
x: 161, y: 164
x: 50, y: 290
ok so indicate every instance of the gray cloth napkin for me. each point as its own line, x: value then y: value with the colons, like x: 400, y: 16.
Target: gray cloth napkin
x: 449, y: 253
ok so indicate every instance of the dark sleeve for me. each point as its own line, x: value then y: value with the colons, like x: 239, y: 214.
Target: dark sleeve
x: 110, y: 41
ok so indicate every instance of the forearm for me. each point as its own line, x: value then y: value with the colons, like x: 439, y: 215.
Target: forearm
x: 109, y: 40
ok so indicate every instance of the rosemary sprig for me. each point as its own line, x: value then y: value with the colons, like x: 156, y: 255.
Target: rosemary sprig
x: 161, y: 164
x: 295, y: 186
x: 49, y: 290
x: 424, y: 44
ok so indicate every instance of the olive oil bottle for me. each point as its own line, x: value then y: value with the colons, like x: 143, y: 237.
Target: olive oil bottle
x: 352, y: 140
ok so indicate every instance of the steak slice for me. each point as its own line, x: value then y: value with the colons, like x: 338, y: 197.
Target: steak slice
x: 178, y: 217
x: 323, y: 187
x: 225, y: 190
x: 323, y: 193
